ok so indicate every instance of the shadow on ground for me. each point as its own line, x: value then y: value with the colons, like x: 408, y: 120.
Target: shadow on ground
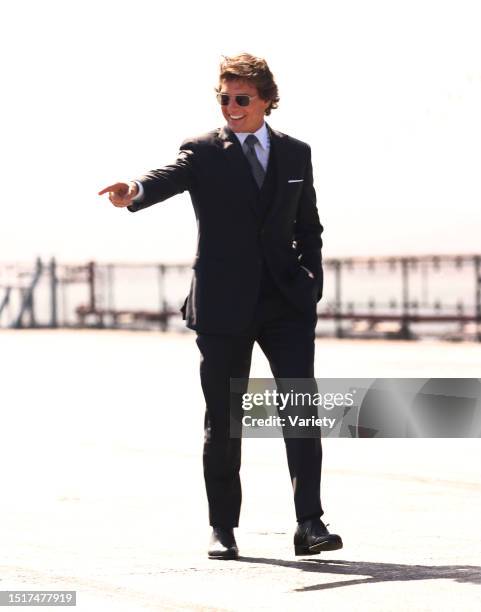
x: 373, y: 572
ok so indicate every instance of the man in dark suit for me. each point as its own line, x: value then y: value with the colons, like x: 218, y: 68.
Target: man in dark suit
x: 257, y: 278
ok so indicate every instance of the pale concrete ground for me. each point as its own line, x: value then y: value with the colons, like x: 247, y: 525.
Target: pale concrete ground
x: 100, y: 428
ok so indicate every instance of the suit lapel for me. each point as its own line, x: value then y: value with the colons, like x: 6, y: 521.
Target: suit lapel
x: 240, y: 166
x: 279, y: 148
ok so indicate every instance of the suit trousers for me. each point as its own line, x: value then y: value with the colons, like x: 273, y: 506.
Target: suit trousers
x: 286, y: 337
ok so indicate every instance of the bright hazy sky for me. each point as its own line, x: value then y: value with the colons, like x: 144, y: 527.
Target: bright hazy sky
x: 387, y: 93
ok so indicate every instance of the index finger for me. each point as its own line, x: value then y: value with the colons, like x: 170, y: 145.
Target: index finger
x: 109, y: 188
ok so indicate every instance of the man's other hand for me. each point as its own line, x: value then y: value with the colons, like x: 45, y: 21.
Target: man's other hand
x: 121, y: 194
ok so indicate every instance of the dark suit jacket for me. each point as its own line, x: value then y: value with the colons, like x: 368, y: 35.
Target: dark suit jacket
x: 234, y: 236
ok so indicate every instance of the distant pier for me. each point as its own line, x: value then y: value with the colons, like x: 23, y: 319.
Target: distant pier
x: 393, y: 297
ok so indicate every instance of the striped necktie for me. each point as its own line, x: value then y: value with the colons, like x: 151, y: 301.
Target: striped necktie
x: 256, y: 166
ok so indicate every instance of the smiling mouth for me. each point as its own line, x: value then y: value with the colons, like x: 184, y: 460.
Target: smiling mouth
x: 236, y: 117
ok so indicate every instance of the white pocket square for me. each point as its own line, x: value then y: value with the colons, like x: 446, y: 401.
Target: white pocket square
x: 295, y: 181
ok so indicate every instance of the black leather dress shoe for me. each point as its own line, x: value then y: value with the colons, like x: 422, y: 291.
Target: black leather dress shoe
x: 223, y: 544
x: 312, y: 537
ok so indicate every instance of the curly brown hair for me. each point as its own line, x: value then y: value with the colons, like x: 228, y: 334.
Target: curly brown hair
x: 247, y: 67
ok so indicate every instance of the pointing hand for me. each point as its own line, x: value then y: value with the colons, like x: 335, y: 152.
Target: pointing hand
x: 121, y: 194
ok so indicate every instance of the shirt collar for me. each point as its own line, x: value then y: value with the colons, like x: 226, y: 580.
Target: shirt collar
x: 262, y: 136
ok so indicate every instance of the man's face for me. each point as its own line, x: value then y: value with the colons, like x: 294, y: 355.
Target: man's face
x: 243, y: 118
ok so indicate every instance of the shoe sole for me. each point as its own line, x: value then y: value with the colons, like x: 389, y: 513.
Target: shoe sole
x: 315, y: 549
x: 224, y: 556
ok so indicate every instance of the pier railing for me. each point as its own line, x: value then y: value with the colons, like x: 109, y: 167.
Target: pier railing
x: 368, y: 297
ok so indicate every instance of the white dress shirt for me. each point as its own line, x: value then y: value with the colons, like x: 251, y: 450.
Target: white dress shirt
x: 262, y: 148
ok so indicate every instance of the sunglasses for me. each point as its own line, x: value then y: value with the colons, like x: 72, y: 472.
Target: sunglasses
x: 241, y: 99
